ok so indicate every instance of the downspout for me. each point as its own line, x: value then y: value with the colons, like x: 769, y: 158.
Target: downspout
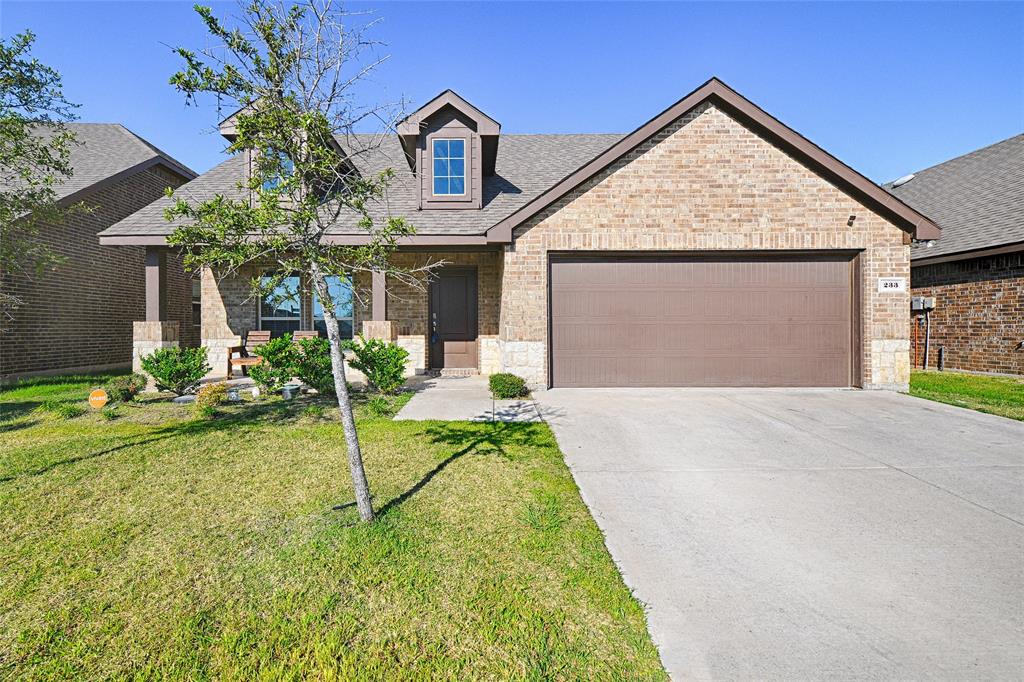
x: 917, y: 327
x: 927, y: 336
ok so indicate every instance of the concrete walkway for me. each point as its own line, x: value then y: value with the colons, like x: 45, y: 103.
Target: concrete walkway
x: 798, y: 535
x: 463, y: 399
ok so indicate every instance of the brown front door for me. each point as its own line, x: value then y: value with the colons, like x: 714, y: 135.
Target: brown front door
x: 453, y: 319
x: 736, y: 320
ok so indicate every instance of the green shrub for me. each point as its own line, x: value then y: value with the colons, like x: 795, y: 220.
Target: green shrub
x: 110, y: 413
x: 62, y: 409
x: 204, y: 411
x: 178, y: 370
x: 212, y: 395
x: 278, y: 366
x: 504, y: 386
x: 382, y: 363
x: 313, y: 364
x: 381, y: 406
x: 124, y: 389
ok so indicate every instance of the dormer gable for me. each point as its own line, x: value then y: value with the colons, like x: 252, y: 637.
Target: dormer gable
x: 450, y: 146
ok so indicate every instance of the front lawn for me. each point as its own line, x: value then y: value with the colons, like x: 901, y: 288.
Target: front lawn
x: 146, y: 543
x: 996, y: 395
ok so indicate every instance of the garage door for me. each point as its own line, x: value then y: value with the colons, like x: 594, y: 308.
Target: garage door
x: 702, y: 321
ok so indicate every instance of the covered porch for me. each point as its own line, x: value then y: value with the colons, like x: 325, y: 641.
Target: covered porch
x: 448, y: 322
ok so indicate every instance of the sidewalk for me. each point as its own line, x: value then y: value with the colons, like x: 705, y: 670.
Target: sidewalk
x: 463, y: 399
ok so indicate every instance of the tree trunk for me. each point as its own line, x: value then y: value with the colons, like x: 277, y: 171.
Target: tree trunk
x: 348, y: 422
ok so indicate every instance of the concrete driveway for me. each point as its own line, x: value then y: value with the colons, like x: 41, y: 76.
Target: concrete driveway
x: 800, y: 534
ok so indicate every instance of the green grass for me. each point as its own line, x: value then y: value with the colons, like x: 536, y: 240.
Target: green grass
x: 996, y: 395
x: 147, y: 543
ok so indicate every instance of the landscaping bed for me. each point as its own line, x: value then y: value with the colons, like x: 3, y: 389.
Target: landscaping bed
x: 154, y: 543
x: 1003, y: 396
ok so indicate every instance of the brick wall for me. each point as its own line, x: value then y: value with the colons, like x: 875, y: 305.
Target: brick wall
x: 707, y: 182
x: 979, y: 312
x: 408, y: 306
x: 80, y: 314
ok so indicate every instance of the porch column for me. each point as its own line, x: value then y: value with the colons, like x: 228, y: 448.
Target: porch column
x: 155, y: 331
x: 378, y: 326
x: 156, y: 284
x: 379, y: 296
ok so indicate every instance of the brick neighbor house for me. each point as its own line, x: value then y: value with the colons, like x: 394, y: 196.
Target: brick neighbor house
x: 976, y: 273
x: 712, y: 246
x: 78, y: 316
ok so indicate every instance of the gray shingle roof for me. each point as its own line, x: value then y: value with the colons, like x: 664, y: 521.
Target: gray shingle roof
x: 105, y: 150
x: 526, y: 166
x: 977, y: 199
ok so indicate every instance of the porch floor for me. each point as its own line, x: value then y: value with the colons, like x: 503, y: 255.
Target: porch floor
x: 463, y: 399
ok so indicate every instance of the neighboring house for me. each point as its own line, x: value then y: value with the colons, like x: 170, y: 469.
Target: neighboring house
x: 976, y: 273
x: 78, y: 316
x: 712, y: 246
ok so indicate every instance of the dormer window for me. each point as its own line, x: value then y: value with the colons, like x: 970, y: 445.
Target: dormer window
x: 286, y: 167
x: 451, y: 147
x: 449, y: 166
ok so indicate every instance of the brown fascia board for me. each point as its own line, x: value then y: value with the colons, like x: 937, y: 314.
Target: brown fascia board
x: 336, y: 240
x: 410, y: 125
x: 921, y: 261
x: 816, y: 158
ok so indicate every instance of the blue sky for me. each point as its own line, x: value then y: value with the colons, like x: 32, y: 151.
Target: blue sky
x: 889, y: 88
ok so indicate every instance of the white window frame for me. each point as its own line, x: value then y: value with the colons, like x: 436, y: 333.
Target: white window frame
x: 465, y: 166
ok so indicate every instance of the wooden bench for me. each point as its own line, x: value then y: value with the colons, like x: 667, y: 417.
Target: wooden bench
x: 247, y: 356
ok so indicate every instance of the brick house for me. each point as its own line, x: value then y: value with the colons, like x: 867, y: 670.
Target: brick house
x: 78, y: 316
x: 712, y: 246
x: 976, y: 273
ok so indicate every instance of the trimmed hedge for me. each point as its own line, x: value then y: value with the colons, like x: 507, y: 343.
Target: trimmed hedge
x: 505, y: 386
x: 178, y: 370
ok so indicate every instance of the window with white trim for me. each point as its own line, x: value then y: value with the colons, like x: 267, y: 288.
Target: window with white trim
x: 449, y: 155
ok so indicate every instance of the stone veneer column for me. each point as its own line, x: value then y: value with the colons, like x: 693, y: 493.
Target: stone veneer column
x: 385, y: 330
x: 147, y: 337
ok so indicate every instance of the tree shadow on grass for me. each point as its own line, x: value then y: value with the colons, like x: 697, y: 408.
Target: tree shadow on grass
x: 162, y: 433
x: 490, y: 438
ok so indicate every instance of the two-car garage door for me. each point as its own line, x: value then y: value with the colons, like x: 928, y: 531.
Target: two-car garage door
x: 759, y: 320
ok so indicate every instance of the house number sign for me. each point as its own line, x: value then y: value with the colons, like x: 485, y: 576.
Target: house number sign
x: 893, y: 284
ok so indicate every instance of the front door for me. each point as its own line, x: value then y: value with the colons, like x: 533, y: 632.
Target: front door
x: 453, y: 319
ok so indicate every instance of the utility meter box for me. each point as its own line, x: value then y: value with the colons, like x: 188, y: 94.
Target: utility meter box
x: 922, y: 303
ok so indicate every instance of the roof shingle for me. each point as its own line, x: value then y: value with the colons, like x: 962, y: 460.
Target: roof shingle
x: 977, y: 199
x: 106, y: 149
x: 527, y: 165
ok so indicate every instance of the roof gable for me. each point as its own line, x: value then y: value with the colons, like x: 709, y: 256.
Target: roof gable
x: 720, y: 94
x: 485, y: 125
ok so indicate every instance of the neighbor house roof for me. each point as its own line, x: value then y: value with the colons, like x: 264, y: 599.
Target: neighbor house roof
x: 107, y: 153
x: 978, y: 198
x: 526, y: 166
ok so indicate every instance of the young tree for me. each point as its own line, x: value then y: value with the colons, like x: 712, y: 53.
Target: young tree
x: 291, y: 70
x: 35, y: 157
